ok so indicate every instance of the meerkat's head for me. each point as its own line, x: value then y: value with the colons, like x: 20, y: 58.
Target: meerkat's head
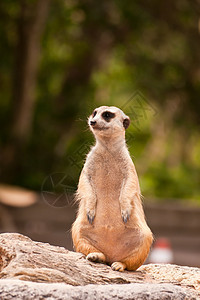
x: 108, y: 121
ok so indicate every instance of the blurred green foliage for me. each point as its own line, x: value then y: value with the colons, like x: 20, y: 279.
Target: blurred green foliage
x: 101, y: 53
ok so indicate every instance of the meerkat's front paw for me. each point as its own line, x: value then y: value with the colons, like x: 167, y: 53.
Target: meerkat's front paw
x: 126, y: 215
x: 91, y: 215
x: 118, y: 266
x: 96, y: 257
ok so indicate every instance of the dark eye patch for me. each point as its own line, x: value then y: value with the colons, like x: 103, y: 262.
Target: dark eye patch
x: 94, y: 113
x: 107, y: 116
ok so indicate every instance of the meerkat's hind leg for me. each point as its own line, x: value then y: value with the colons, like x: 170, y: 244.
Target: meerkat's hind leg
x: 118, y: 266
x: 96, y: 257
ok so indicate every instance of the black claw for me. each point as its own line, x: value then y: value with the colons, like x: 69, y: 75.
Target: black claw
x: 126, y: 218
x: 90, y: 219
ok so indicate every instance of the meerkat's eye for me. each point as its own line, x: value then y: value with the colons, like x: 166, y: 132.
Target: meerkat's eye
x: 107, y: 116
x: 94, y: 113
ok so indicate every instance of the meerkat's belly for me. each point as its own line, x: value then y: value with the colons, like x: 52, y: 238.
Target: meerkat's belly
x: 108, y: 233
x: 116, y: 243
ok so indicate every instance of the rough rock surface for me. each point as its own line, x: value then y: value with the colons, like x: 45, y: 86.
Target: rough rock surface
x: 15, y: 289
x: 56, y: 273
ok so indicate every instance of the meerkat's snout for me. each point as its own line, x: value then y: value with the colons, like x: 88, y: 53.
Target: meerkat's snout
x: 92, y: 123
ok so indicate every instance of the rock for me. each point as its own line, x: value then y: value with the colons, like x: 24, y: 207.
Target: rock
x: 15, y: 289
x: 38, y: 264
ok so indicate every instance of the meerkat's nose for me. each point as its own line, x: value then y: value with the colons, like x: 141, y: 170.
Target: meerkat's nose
x: 92, y: 123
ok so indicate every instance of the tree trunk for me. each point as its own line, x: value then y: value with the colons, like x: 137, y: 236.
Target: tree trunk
x: 31, y: 25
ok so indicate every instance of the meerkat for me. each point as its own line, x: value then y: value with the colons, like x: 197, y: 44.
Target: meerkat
x: 110, y: 226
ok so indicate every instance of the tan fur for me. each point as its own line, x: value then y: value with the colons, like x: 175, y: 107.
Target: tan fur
x: 109, y: 197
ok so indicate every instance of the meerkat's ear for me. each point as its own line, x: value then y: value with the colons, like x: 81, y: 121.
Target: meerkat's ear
x: 126, y: 122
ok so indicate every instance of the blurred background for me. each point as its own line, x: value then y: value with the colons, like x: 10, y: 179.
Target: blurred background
x: 62, y: 58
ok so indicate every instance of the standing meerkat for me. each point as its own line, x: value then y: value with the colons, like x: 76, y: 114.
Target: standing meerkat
x: 110, y: 226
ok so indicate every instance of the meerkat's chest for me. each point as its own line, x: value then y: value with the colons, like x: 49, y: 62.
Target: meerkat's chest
x: 107, y: 175
x: 107, y: 179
